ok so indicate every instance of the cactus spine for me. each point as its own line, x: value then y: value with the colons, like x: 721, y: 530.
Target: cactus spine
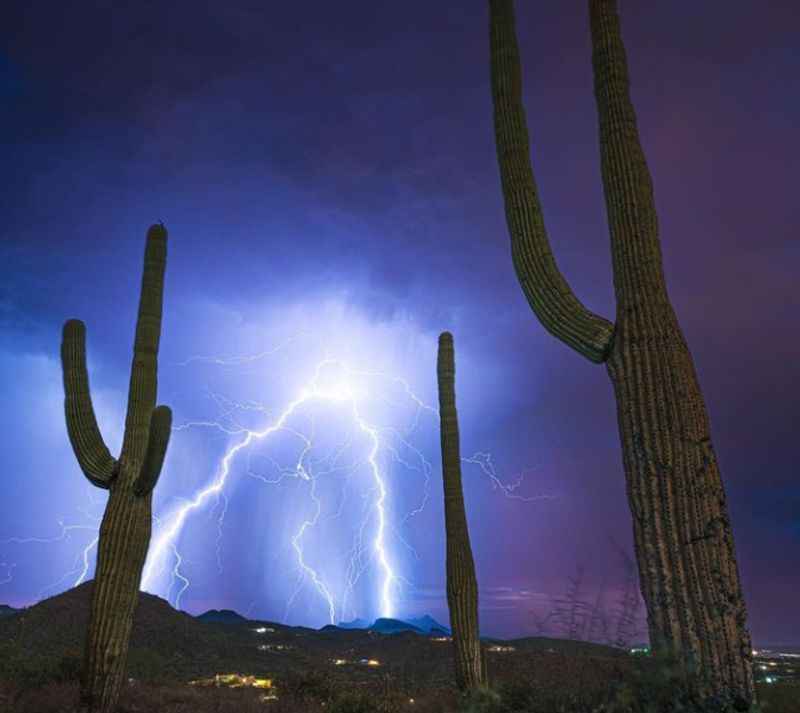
x: 462, y: 585
x: 682, y: 533
x: 125, y: 530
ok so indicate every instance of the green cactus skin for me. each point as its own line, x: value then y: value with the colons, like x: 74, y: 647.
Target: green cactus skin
x: 125, y: 530
x: 462, y: 585
x: 682, y: 533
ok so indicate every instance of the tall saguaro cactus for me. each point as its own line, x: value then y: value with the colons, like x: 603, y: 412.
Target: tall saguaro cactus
x: 682, y: 532
x: 130, y: 479
x: 462, y: 585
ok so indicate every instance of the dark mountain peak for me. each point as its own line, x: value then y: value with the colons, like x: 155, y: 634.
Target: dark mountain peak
x: 393, y: 626
x: 429, y: 625
x: 355, y: 624
x: 422, y: 625
x: 56, y: 628
x: 221, y: 616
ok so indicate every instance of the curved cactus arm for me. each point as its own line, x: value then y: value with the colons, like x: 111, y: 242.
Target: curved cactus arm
x: 97, y: 464
x: 627, y: 183
x: 546, y: 289
x: 160, y: 429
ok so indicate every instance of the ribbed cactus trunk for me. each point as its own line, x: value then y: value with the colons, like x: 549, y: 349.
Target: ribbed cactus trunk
x: 682, y: 533
x: 125, y: 530
x: 462, y: 585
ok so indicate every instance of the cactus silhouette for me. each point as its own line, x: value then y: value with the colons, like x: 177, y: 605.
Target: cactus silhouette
x: 682, y: 532
x: 125, y: 530
x: 462, y: 585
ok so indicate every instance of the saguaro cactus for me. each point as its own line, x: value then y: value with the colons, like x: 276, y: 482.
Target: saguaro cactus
x: 125, y: 530
x: 682, y: 533
x: 462, y: 585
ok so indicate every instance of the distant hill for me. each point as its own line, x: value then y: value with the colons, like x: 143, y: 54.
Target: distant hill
x: 222, y: 616
x: 420, y: 625
x: 162, y: 638
x: 6, y: 610
x: 393, y: 626
x: 429, y: 625
x: 42, y: 641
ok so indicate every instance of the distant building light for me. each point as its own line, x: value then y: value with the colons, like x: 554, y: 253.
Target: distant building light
x: 501, y: 649
x: 770, y: 679
x: 264, y: 630
x: 233, y: 680
x: 339, y: 662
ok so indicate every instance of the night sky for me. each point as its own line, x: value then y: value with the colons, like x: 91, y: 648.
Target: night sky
x: 327, y: 173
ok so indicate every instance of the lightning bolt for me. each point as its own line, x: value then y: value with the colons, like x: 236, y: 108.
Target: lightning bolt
x: 370, y: 546
x: 81, y: 564
x: 9, y: 572
x: 486, y: 464
x: 305, y: 568
x: 314, y: 391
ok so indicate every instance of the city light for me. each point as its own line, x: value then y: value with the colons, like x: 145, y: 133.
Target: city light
x: 233, y: 680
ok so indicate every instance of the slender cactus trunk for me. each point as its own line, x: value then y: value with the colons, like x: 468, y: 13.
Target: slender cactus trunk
x: 125, y: 530
x: 122, y: 548
x: 682, y: 533
x: 462, y: 585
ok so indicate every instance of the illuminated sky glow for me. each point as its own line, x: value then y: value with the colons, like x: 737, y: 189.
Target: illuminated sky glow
x: 341, y: 392
x: 328, y: 175
x: 359, y: 445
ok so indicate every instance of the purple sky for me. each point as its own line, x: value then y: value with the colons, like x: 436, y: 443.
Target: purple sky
x: 328, y: 170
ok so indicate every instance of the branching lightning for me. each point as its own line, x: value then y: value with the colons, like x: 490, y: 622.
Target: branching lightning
x: 80, y: 567
x: 332, y: 384
x: 339, y: 391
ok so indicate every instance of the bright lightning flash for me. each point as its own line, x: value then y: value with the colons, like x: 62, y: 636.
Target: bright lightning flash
x: 331, y: 383
x: 319, y: 389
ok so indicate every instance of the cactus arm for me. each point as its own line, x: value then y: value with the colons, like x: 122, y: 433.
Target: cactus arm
x: 160, y: 428
x: 546, y: 289
x: 148, y: 323
x: 97, y: 464
x: 628, y: 186
x: 143, y: 383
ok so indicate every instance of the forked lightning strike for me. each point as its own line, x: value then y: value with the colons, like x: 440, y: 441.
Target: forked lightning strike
x: 165, y: 539
x: 164, y: 545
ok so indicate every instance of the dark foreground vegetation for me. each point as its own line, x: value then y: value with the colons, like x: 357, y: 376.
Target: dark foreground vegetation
x: 315, y: 693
